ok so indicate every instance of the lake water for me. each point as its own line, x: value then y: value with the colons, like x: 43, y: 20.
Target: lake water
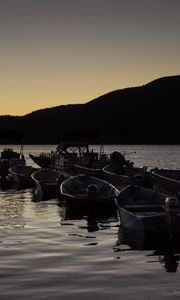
x: 47, y: 252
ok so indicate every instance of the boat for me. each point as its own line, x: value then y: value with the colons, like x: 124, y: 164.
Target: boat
x: 121, y: 171
x: 43, y: 160
x: 67, y: 155
x: 147, y: 211
x: 120, y: 176
x: 71, y: 155
x: 86, y: 190
x: 10, y: 158
x: 20, y: 175
x: 166, y: 180
x: 47, y: 182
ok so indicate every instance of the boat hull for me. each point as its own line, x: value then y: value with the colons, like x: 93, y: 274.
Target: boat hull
x: 21, y: 175
x: 163, y: 180
x: 75, y: 191
x: 47, y: 182
x: 146, y: 223
x: 129, y: 176
x: 147, y: 211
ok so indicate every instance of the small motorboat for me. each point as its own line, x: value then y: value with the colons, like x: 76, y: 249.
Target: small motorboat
x: 20, y: 175
x: 47, y: 181
x: 9, y: 158
x: 120, y: 176
x: 166, y: 180
x: 121, y: 171
x: 85, y: 189
x: 147, y: 211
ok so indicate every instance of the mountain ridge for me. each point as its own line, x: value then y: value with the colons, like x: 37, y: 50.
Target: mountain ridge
x: 142, y: 114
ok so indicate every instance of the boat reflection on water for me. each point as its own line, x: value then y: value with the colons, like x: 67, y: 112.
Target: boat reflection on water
x: 4, y: 183
x: 96, y: 218
x: 165, y: 248
x: 169, y: 260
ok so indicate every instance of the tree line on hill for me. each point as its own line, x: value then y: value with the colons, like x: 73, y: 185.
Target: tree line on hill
x: 147, y: 114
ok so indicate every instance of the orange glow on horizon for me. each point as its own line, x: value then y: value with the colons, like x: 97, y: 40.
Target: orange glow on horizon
x: 62, y: 54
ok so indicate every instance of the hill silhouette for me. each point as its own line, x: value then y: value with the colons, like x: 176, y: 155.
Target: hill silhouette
x: 145, y: 114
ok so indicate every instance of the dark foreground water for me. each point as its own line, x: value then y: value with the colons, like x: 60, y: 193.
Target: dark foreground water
x: 47, y: 252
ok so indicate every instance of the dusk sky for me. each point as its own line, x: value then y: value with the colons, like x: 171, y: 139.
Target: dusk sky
x: 55, y: 52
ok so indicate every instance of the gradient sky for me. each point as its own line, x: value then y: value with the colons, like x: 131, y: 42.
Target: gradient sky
x: 55, y: 52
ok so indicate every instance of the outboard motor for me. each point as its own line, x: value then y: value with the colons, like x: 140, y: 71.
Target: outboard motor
x: 172, y: 205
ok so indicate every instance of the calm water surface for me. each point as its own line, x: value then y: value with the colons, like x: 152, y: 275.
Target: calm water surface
x: 48, y: 252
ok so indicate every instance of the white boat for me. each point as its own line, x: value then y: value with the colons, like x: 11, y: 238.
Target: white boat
x: 47, y: 181
x: 145, y: 211
x: 84, y: 190
x: 20, y: 175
